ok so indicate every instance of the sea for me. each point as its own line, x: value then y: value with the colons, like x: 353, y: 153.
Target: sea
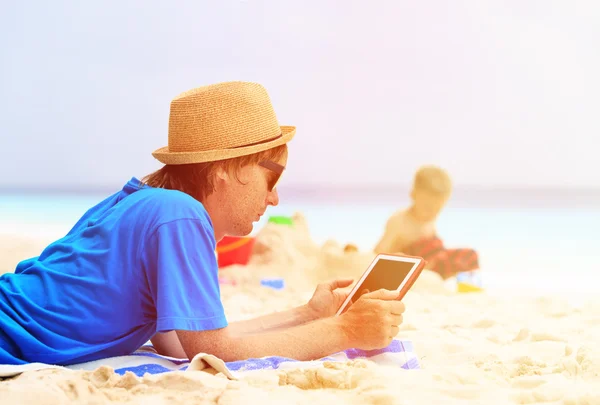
x: 525, y: 245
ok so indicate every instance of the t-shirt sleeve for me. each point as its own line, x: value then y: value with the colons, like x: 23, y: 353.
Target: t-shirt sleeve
x: 182, y: 274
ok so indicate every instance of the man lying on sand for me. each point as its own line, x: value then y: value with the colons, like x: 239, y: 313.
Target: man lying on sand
x: 141, y: 265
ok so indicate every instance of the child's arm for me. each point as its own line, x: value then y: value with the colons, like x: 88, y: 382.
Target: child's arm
x: 389, y: 241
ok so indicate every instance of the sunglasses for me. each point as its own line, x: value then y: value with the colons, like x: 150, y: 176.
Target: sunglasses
x: 275, y: 168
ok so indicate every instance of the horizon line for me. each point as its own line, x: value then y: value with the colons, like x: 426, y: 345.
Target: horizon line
x: 311, y: 188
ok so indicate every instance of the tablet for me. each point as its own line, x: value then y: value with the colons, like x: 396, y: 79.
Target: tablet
x: 391, y: 272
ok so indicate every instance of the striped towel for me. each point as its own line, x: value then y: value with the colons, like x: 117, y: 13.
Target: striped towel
x: 399, y: 353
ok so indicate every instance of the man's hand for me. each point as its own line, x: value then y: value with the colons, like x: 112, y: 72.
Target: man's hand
x: 328, y: 298
x: 372, y: 321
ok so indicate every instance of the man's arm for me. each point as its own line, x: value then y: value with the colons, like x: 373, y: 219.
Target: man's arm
x: 305, y: 342
x: 274, y: 321
x: 370, y: 323
x: 168, y: 344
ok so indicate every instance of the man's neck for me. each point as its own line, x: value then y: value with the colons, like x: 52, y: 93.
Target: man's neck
x: 219, y: 231
x: 210, y: 208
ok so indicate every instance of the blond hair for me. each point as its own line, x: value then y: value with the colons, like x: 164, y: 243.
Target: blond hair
x: 434, y: 180
x: 197, y: 179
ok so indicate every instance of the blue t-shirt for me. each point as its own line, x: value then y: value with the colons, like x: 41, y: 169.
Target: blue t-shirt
x: 140, y: 262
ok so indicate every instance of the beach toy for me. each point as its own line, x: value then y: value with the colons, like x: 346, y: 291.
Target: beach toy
x: 467, y: 288
x: 281, y: 220
x: 227, y: 281
x: 470, y: 281
x: 350, y: 248
x: 274, y: 283
x: 234, y: 250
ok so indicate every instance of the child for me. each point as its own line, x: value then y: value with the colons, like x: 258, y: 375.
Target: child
x: 412, y: 231
x: 431, y: 190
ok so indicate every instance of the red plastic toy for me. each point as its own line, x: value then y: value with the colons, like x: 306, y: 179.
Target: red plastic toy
x: 234, y: 250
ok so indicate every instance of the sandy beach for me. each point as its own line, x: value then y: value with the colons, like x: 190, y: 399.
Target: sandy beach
x: 473, y: 348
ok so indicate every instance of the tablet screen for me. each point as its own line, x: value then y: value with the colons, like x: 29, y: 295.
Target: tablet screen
x: 387, y: 274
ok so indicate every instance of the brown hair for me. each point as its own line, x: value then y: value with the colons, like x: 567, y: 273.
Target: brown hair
x: 197, y: 179
x: 434, y: 180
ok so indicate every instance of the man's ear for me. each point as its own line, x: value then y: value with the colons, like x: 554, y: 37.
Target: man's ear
x: 221, y: 174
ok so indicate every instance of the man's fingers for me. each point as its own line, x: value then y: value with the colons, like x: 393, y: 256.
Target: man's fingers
x: 340, y: 283
x: 382, y: 295
x: 394, y: 331
x: 397, y: 320
x: 397, y: 307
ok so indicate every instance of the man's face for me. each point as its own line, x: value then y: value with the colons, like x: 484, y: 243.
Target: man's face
x: 246, y: 200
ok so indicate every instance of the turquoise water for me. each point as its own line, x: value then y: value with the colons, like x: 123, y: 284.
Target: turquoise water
x: 539, y: 250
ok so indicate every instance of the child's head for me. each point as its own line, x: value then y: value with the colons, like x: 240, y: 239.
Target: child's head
x: 431, y: 190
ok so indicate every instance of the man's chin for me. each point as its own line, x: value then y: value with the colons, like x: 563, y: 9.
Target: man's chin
x: 241, y: 232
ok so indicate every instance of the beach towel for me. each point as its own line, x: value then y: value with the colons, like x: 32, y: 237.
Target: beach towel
x: 446, y: 262
x: 400, y: 353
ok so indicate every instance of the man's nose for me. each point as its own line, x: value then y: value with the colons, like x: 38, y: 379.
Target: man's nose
x: 273, y: 198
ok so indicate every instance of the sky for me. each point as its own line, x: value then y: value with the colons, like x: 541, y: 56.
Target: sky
x: 500, y: 93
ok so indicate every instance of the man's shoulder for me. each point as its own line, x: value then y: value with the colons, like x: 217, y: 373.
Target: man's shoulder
x: 169, y: 205
x: 162, y: 195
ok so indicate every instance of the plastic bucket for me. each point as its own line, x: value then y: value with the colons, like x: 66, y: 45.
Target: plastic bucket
x: 234, y: 250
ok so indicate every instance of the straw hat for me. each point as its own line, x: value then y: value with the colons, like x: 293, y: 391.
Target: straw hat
x: 221, y: 121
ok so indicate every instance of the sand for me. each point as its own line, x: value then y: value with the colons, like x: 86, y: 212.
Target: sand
x: 473, y: 348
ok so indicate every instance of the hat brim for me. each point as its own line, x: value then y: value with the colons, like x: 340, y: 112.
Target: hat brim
x: 181, y: 158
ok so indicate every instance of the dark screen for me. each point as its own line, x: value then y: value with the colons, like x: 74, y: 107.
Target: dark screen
x: 387, y: 274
